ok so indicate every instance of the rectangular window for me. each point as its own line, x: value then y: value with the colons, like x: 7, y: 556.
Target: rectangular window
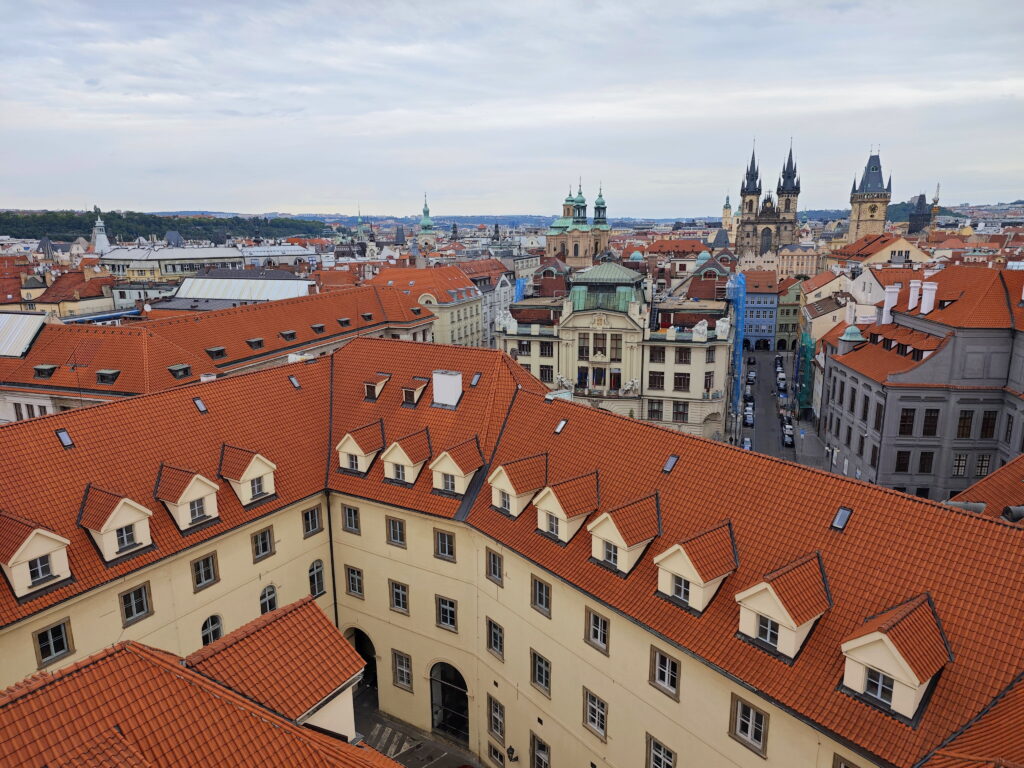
x: 664, y: 674
x: 709, y: 355
x: 879, y: 686
x: 262, y: 544
x: 656, y: 380
x: 874, y: 455
x: 988, y: 424
x: 125, y: 537
x: 39, y: 569
x: 204, y: 572
x: 925, y: 462
x: 879, y: 410
x: 135, y: 604
x: 963, y: 424
x: 749, y: 725
x: 658, y: 755
x: 552, y: 524
x: 447, y: 482
x: 853, y: 400
x: 654, y: 410
x: 959, y: 464
x: 354, y: 581
x: 982, y: 464
x: 495, y: 567
x: 196, y: 510
x: 595, y: 713
x: 18, y: 415
x: 353, y: 462
x: 399, y: 596
x: 547, y: 349
x: 611, y: 554
x: 540, y: 596
x: 547, y: 374
x: 540, y: 672
x: 583, y: 348
x: 496, y: 638
x: 496, y: 719
x: 540, y: 752
x: 1008, y: 433
x: 656, y: 355
x: 398, y: 472
x: 680, y: 589
x: 495, y: 755
x: 907, y: 420
x: 709, y: 381
x: 504, y: 501
x: 600, y: 343
x: 401, y: 670
x: 902, y: 461
x: 53, y: 642
x: 597, y: 631
x: 768, y: 631
x: 864, y: 407
x: 682, y: 355
x: 256, y: 487
x: 311, y: 522
x: 930, y: 427
x: 616, y: 350
x: 681, y: 382
x: 396, y: 532
x: 444, y: 545
x: 524, y: 347
x: 350, y: 519
x: 447, y: 614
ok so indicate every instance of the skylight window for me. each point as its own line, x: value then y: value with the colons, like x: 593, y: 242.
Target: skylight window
x: 200, y: 405
x: 415, y: 310
x: 44, y: 371
x: 367, y: 315
x: 476, y: 379
x: 107, y: 376
x: 670, y: 462
x: 65, y: 438
x: 560, y: 426
x: 216, y: 353
x: 842, y: 518
x: 295, y: 382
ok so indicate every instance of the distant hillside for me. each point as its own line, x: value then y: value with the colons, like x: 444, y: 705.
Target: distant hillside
x: 128, y: 225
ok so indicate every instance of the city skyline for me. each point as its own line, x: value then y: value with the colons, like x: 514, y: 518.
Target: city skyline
x: 254, y: 108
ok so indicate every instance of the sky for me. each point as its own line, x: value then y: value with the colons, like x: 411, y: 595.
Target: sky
x: 496, y: 108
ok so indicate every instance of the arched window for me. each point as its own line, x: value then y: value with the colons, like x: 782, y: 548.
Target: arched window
x: 750, y: 206
x: 787, y: 205
x: 576, y: 250
x: 268, y: 599
x: 212, y: 630
x: 316, y: 578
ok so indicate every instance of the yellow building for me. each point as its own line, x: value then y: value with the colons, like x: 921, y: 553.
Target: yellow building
x: 869, y: 202
x: 545, y: 583
x: 455, y: 300
x: 575, y: 240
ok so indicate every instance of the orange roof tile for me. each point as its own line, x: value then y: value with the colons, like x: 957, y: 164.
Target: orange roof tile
x: 915, y: 630
x: 999, y: 490
x: 802, y: 588
x: 819, y: 280
x: 687, y: 245
x: 466, y: 455
x: 529, y: 473
x: 133, y: 705
x: 172, y: 482
x: 993, y: 740
x: 289, y: 659
x: 578, y: 495
x: 234, y: 461
x: 369, y: 437
x: 637, y: 521
x: 712, y: 552
x: 97, y: 507
x: 14, y: 530
x: 445, y: 284
x: 72, y: 286
x: 416, y: 445
x: 866, y: 246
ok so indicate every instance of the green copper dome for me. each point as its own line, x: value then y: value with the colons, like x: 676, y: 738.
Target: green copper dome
x: 600, y: 199
x: 569, y: 199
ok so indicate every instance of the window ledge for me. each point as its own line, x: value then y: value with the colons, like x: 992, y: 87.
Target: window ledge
x: 45, y: 587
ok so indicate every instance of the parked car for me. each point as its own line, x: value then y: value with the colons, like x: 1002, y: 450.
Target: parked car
x: 751, y: 361
x: 782, y: 385
x: 787, y: 441
x: 747, y: 446
x: 748, y: 420
x: 786, y: 419
x: 751, y: 377
x: 748, y: 394
x: 787, y: 429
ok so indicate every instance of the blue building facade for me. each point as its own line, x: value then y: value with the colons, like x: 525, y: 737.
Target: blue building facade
x: 761, y: 310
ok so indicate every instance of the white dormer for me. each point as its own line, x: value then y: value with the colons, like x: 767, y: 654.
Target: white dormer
x: 562, y: 508
x: 690, y: 572
x: 893, y: 657
x: 514, y: 483
x: 405, y: 457
x: 620, y: 536
x: 189, y: 497
x: 251, y: 475
x: 412, y: 391
x: 31, y: 556
x: 453, y: 470
x: 359, y: 448
x: 779, y: 612
x: 117, y: 524
x: 372, y: 387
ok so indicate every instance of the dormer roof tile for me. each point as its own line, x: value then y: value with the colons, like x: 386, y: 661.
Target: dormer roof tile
x: 234, y: 461
x: 802, y: 588
x: 14, y: 530
x: 97, y: 506
x: 416, y: 445
x: 172, y: 482
x: 467, y: 455
x: 638, y: 521
x: 712, y: 552
x: 529, y: 473
x: 578, y: 495
x: 369, y: 437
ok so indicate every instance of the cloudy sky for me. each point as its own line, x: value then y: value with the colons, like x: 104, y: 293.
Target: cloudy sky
x: 317, y: 106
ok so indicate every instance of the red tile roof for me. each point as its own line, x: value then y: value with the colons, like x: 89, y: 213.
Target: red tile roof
x: 819, y: 280
x: 682, y: 246
x: 416, y: 445
x: 289, y: 659
x: 994, y: 740
x: 802, y: 588
x: 999, y: 490
x: 527, y: 474
x: 866, y: 246
x: 761, y: 281
x: 72, y: 286
x: 578, y: 495
x: 914, y: 629
x: 445, y: 284
x: 234, y: 461
x: 133, y: 705
x: 172, y: 483
x: 492, y: 269
x: 712, y: 552
x: 466, y: 455
x: 369, y: 437
x: 97, y: 507
x: 14, y: 530
x: 637, y: 521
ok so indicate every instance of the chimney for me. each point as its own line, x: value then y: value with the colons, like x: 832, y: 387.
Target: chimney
x: 207, y: 377
x: 928, y: 297
x: 915, y: 291
x: 892, y: 293
x: 447, y: 388
x: 851, y: 312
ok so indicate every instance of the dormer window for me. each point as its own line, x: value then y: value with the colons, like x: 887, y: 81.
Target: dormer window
x: 768, y: 631
x: 116, y: 523
x: 611, y: 554
x: 39, y: 570
x: 43, y: 371
x: 256, y: 487
x: 317, y: 327
x: 620, y: 536
x: 504, y: 501
x: 180, y: 371
x: 189, y: 497
x: 353, y: 462
x: 879, y: 685
x: 514, y: 484
x: 370, y: 391
x: 344, y: 322
x: 256, y: 343
x: 216, y: 353
x: 196, y: 510
x: 125, y: 536
x: 358, y: 448
x: 107, y: 376
x: 251, y: 475
x: 288, y: 335
x: 680, y: 589
x: 553, y: 526
x: 409, y: 396
x: 398, y: 472
x: 367, y: 316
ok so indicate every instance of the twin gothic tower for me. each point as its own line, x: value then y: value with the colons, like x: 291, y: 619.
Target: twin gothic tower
x: 767, y: 224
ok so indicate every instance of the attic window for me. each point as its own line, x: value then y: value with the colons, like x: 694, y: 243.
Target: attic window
x: 65, y: 439
x: 370, y: 391
x: 295, y: 382
x: 107, y: 376
x: 288, y: 335
x: 887, y: 344
x: 344, y: 322
x: 256, y: 343
x: 367, y: 316
x: 180, y: 371
x: 416, y: 310
x: 475, y: 380
x: 842, y: 518
x: 409, y: 396
x: 874, y: 338
x: 560, y: 426
x: 200, y: 405
x: 670, y: 462
x: 216, y: 353
x: 901, y: 349
x: 44, y: 371
x: 317, y: 327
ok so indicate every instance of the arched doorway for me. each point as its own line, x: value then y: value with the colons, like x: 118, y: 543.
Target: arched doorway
x: 367, y: 690
x: 780, y: 345
x: 746, y: 344
x: 763, y: 344
x: 449, y: 702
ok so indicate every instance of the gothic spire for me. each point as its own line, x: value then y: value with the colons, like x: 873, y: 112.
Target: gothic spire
x: 789, y: 183
x: 752, y: 179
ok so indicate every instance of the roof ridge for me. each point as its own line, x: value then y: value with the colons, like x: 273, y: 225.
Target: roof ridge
x: 246, y: 630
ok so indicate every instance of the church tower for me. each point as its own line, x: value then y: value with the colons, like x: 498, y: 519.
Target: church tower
x: 750, y: 190
x: 869, y: 201
x: 426, y: 238
x: 727, y: 216
x: 100, y: 243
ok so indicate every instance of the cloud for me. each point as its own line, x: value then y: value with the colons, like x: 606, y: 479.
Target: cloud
x: 492, y: 107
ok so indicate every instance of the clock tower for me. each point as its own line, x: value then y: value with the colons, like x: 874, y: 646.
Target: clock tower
x: 869, y: 201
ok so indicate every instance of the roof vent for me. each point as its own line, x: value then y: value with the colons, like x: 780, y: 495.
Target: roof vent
x: 107, y: 376
x: 206, y: 378
x: 842, y: 518
x: 200, y: 405
x: 216, y: 353
x: 65, y: 438
x: 288, y: 335
x: 317, y: 327
x: 180, y: 371
x: 560, y: 426
x: 1014, y: 514
x: 367, y: 315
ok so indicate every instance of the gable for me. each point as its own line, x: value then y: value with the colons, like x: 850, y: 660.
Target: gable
x: 877, y: 651
x: 604, y: 528
x: 761, y: 598
x: 38, y: 543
